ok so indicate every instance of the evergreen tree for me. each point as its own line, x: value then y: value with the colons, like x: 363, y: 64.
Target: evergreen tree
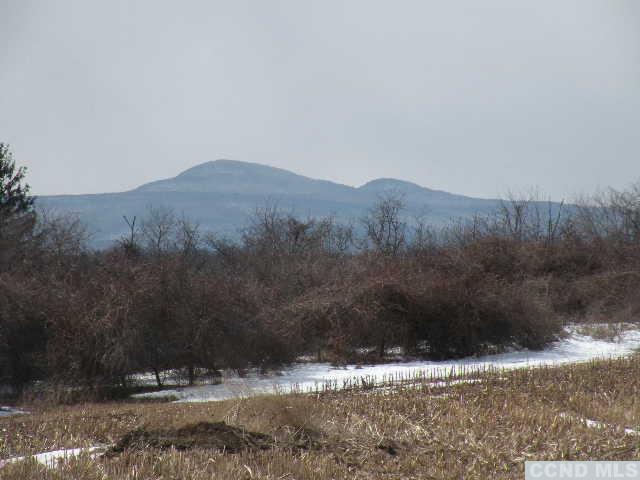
x: 14, y: 193
x: 17, y: 214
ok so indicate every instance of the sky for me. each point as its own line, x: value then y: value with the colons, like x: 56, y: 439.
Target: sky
x: 473, y: 97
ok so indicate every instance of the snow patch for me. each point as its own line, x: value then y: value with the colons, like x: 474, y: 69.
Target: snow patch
x: 597, y: 424
x: 312, y: 377
x: 9, y: 411
x: 51, y: 459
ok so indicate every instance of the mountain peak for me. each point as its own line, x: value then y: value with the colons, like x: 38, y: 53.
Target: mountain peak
x: 390, y: 184
x: 226, y: 162
x: 234, y: 176
x: 224, y: 166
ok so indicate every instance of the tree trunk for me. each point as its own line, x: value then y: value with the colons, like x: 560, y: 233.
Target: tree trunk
x: 157, y: 373
x: 192, y: 374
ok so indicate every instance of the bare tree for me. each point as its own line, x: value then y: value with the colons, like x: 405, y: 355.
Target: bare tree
x: 610, y: 215
x: 338, y: 237
x: 555, y: 221
x: 158, y: 230
x: 515, y: 216
x: 524, y: 218
x: 130, y: 243
x: 384, y: 226
x: 424, y: 239
x: 189, y: 241
x: 625, y: 207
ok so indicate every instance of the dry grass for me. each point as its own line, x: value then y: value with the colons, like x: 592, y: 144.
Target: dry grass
x: 608, y: 331
x: 466, y: 430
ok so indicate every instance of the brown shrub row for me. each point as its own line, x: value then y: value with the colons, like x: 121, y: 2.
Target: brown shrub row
x: 170, y: 297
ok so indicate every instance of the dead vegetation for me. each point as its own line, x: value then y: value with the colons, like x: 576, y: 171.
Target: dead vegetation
x: 168, y: 296
x: 485, y: 429
x: 208, y: 435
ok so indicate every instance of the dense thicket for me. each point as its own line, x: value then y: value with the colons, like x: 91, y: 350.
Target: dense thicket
x: 168, y: 296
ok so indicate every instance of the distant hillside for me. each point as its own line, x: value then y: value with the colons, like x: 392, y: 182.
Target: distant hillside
x: 221, y: 196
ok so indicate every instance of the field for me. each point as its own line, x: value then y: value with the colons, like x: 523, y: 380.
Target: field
x: 481, y: 429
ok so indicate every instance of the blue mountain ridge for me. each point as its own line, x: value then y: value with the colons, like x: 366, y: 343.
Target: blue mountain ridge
x: 222, y: 195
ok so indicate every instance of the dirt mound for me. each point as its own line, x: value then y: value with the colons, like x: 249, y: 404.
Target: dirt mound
x: 218, y: 436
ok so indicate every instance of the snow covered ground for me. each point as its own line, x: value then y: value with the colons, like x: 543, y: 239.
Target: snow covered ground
x: 9, y: 411
x: 309, y: 377
x: 597, y: 424
x: 51, y: 459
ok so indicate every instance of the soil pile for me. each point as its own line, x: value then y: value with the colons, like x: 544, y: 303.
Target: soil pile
x: 218, y: 436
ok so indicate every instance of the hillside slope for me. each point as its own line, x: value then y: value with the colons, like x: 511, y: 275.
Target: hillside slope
x: 222, y: 195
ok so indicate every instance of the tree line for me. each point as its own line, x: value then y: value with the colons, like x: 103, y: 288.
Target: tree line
x: 169, y: 296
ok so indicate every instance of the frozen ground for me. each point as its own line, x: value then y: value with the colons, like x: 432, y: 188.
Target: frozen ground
x: 318, y: 376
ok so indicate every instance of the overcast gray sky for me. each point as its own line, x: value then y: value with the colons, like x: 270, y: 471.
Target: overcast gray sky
x: 474, y: 97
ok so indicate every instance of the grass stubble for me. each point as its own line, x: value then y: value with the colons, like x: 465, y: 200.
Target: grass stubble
x: 409, y: 430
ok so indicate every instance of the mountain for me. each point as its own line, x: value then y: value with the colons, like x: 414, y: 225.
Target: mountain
x: 222, y: 195
x: 231, y: 176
